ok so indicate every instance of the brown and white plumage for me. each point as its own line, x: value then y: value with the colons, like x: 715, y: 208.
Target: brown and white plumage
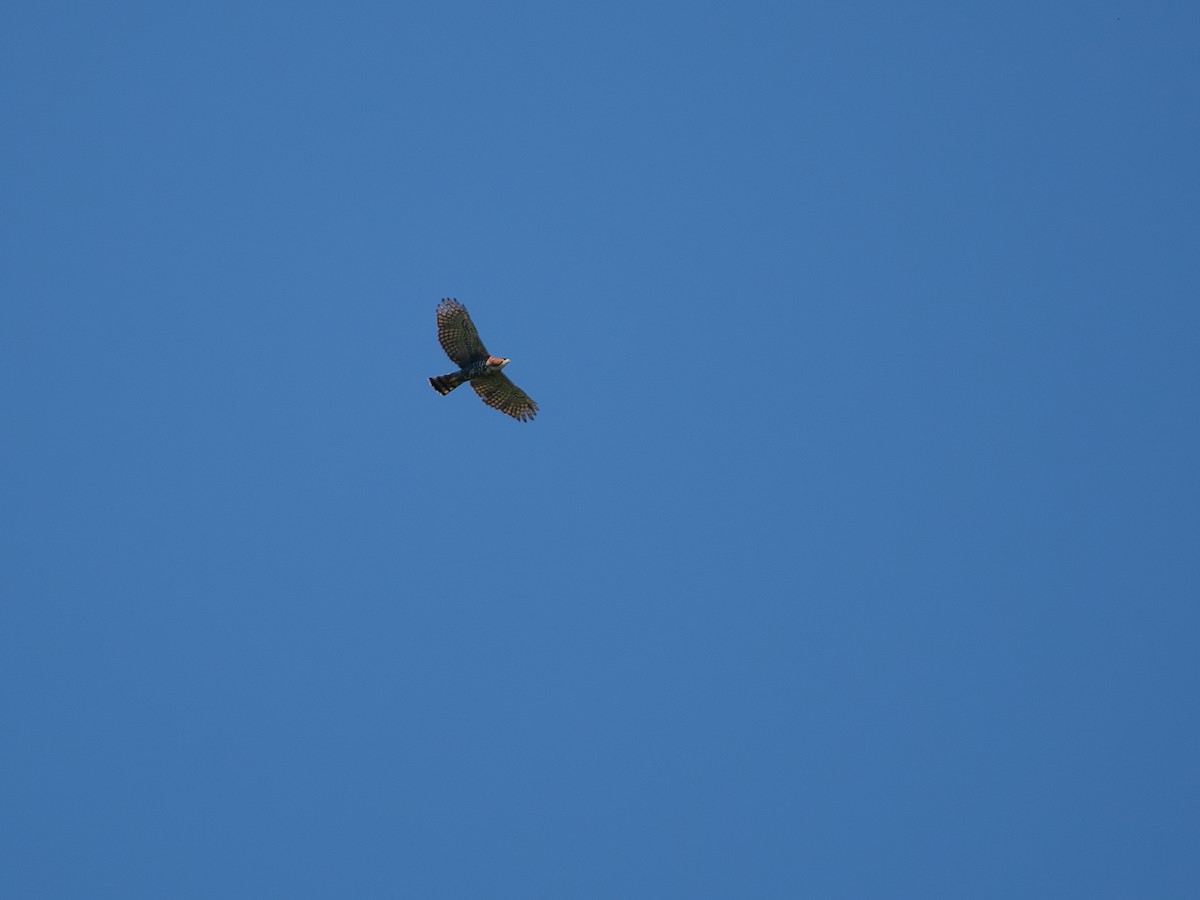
x: 460, y: 340
x: 457, y: 334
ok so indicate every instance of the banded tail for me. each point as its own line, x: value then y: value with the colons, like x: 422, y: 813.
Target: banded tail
x: 444, y: 384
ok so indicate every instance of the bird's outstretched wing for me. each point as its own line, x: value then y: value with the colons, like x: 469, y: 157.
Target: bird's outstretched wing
x: 500, y: 393
x: 457, y: 333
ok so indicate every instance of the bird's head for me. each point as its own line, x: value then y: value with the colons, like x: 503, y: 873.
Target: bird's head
x: 497, y: 362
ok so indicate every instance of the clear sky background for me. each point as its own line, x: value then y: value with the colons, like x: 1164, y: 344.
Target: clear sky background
x: 854, y: 552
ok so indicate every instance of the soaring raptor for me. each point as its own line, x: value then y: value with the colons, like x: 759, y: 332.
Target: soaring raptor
x: 460, y: 340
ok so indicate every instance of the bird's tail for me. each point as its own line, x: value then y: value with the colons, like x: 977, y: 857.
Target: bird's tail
x: 444, y: 384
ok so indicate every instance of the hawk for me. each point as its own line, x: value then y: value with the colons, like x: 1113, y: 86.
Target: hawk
x: 460, y: 340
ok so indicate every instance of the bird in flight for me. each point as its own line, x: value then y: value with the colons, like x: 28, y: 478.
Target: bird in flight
x: 460, y: 340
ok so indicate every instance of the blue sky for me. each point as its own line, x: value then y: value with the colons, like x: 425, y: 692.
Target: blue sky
x: 852, y: 554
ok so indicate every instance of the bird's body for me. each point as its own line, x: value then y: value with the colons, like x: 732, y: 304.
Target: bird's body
x: 444, y: 384
x: 460, y: 340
